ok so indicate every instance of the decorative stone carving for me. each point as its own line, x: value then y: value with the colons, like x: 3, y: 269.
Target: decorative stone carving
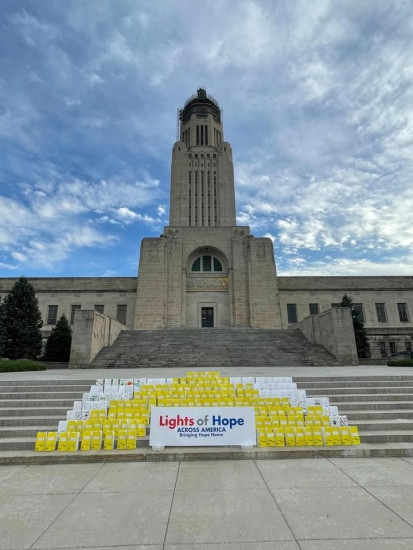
x: 207, y: 283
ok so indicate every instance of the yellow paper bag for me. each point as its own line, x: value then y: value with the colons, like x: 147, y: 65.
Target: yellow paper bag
x: 299, y: 437
x: 355, y: 437
x: 270, y: 439
x: 40, y: 444
x: 71, y: 425
x: 73, y: 442
x: 96, y: 440
x: 109, y: 440
x: 279, y: 437
x: 141, y: 431
x: 318, y: 436
x: 308, y: 436
x: 290, y: 437
x: 88, y: 425
x: 262, y: 439
x: 345, y: 435
x: 328, y: 436
x: 62, y: 445
x: 131, y: 439
x: 336, y: 436
x: 51, y: 441
x: 122, y: 439
x: 86, y: 442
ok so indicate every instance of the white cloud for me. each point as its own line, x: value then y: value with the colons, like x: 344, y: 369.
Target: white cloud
x: 126, y: 213
x: 347, y: 267
x: 318, y: 108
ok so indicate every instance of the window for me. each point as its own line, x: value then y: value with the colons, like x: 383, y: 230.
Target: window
x: 207, y: 263
x: 121, y: 313
x: 72, y: 313
x: 217, y: 265
x: 382, y: 346
x: 196, y: 266
x: 336, y: 304
x: 100, y: 308
x: 52, y: 315
x: 292, y: 313
x: 392, y: 346
x: 358, y: 310
x: 314, y: 309
x: 408, y: 346
x: 403, y: 315
x: 381, y: 313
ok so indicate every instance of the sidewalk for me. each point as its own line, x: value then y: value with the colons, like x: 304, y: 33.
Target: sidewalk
x: 322, y: 504
x: 92, y: 374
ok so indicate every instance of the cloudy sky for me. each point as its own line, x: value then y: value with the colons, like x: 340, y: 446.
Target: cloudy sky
x: 318, y: 107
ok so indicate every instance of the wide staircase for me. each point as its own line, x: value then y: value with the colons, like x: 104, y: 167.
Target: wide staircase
x: 381, y: 406
x: 212, y: 349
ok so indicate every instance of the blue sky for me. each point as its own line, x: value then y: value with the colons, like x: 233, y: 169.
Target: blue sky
x: 318, y: 107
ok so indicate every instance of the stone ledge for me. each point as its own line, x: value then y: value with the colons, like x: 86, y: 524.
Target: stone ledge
x: 216, y: 453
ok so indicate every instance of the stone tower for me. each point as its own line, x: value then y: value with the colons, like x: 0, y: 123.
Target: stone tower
x: 204, y: 271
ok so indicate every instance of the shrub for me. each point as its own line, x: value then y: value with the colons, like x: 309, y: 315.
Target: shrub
x: 20, y: 365
x: 400, y: 362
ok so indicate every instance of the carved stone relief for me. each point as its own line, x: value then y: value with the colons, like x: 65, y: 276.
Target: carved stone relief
x: 207, y: 283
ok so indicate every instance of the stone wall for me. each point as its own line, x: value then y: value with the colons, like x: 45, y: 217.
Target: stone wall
x: 92, y: 331
x: 333, y: 329
x: 262, y: 284
x: 86, y: 292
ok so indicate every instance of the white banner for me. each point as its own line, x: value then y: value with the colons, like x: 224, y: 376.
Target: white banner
x: 202, y: 426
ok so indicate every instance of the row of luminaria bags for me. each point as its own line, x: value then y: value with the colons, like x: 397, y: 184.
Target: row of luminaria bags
x: 116, y: 413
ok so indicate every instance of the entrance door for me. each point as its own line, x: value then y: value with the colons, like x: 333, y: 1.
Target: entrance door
x: 207, y: 317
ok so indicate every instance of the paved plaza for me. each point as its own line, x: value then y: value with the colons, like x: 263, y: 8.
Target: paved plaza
x: 292, y: 504
x: 92, y: 374
x: 310, y: 504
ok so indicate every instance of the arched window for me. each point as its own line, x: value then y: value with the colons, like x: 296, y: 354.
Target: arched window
x: 207, y: 263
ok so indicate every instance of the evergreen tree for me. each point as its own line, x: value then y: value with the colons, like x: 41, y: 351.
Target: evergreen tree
x: 59, y: 342
x: 360, y: 333
x: 22, y: 322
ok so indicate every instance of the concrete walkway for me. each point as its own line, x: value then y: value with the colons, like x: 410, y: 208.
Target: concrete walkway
x: 324, y: 504
x: 85, y: 374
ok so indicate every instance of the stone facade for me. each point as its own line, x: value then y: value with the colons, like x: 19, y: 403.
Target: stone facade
x: 58, y: 295
x: 386, y: 305
x: 206, y: 271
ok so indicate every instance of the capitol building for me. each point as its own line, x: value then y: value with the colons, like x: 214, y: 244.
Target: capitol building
x: 204, y: 271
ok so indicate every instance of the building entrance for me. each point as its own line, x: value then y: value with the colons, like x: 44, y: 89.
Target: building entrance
x: 207, y: 317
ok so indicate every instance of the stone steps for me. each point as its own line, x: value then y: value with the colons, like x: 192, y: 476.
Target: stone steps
x: 384, y: 418
x: 361, y: 390
x: 30, y: 420
x: 211, y: 349
x: 356, y: 417
x: 30, y: 411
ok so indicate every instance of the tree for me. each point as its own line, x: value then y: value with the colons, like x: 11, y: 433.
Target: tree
x: 22, y: 322
x: 360, y: 333
x: 59, y: 342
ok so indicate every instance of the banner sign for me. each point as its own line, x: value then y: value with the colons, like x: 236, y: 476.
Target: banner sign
x: 202, y: 426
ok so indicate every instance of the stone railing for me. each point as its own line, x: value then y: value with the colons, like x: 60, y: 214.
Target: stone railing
x: 333, y: 329
x: 92, y: 331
